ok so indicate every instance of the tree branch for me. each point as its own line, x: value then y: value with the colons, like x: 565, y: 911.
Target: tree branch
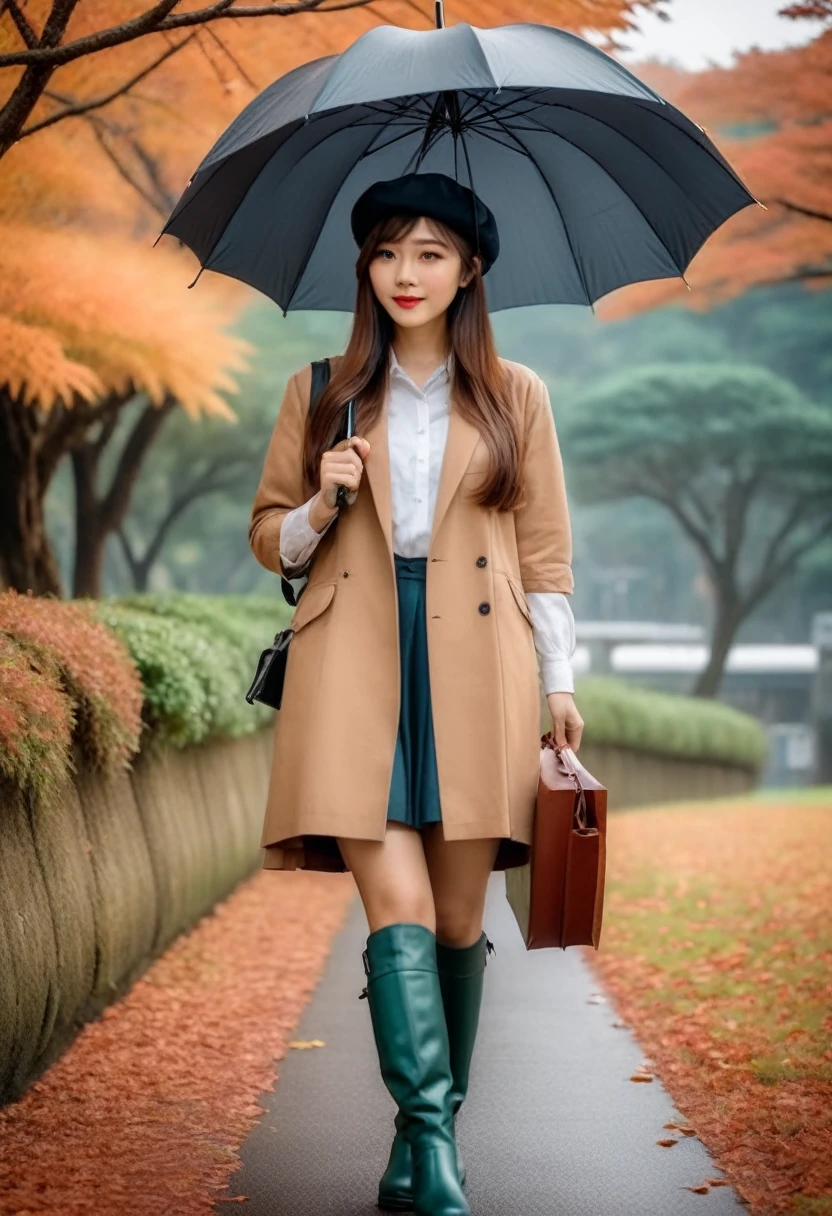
x: 23, y: 27
x: 230, y: 55
x: 156, y: 20
x: 115, y: 502
x: 34, y: 80
x: 770, y: 576
x: 697, y: 534
x: 163, y: 206
x: 74, y: 108
x: 218, y: 477
x: 801, y: 210
x: 736, y: 514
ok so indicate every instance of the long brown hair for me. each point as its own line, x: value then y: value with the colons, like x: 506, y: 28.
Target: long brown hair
x: 478, y: 385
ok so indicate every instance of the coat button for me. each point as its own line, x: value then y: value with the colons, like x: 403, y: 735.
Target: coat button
x: 482, y: 561
x: 484, y: 609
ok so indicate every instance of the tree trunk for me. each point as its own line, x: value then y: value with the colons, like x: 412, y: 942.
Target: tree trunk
x: 27, y: 562
x: 89, y: 541
x: 97, y: 515
x: 730, y: 614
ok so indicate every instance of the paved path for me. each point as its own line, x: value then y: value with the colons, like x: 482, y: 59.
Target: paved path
x: 552, y: 1125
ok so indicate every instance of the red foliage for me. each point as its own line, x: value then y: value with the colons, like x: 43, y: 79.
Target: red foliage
x: 717, y: 953
x: 768, y: 112
x: 36, y: 719
x: 70, y: 655
x: 145, y: 1112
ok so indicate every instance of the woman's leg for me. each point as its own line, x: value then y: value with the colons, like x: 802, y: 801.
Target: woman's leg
x: 392, y: 877
x: 459, y: 871
x: 405, y: 1000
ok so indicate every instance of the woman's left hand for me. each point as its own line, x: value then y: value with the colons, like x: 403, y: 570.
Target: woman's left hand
x: 567, y: 723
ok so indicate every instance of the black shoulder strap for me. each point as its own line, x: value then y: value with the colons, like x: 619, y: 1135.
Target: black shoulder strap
x: 320, y: 379
x: 321, y: 371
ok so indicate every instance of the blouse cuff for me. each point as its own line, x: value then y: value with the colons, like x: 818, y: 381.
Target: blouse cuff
x: 554, y: 637
x: 298, y: 539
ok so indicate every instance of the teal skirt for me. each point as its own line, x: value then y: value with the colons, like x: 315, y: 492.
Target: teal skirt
x: 414, y: 788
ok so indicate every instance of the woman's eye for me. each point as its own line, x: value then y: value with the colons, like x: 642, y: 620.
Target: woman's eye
x: 383, y: 252
x: 429, y: 254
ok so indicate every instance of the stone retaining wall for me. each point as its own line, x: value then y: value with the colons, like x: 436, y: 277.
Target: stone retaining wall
x: 95, y: 886
x: 639, y: 778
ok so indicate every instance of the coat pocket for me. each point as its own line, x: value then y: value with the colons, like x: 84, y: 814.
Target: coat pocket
x: 316, y: 599
x: 519, y: 597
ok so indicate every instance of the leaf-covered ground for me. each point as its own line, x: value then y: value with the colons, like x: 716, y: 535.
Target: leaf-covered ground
x: 717, y: 949
x: 143, y: 1114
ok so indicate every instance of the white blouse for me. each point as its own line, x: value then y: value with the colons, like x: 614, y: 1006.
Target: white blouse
x: 417, y: 428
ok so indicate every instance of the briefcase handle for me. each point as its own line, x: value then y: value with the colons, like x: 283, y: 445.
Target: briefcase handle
x: 564, y: 757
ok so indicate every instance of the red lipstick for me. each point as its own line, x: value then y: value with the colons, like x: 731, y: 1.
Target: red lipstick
x: 407, y: 301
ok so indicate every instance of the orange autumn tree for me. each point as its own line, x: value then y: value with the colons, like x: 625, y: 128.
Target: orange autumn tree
x: 770, y: 115
x: 75, y: 348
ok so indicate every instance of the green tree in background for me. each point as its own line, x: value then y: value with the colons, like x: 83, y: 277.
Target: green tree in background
x: 740, y: 458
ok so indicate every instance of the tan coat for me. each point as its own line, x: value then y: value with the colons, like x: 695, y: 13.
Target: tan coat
x: 335, y: 736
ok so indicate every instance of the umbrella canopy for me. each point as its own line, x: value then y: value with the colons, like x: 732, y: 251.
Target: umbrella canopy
x: 594, y: 179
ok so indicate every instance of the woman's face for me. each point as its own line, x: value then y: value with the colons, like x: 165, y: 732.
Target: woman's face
x: 416, y: 278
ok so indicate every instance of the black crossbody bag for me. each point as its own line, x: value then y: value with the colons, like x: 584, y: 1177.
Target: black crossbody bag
x: 267, y: 685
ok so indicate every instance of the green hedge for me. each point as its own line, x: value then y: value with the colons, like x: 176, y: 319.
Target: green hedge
x: 196, y: 655
x: 622, y: 714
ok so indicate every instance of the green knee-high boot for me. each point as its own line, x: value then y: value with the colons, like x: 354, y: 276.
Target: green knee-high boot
x: 461, y: 972
x: 405, y: 999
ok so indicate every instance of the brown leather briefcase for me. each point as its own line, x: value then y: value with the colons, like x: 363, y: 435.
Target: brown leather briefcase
x: 558, y: 896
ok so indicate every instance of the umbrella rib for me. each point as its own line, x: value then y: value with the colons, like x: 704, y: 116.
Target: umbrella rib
x: 367, y: 121
x: 518, y: 94
x: 552, y: 105
x: 308, y: 255
x: 712, y: 151
x: 389, y: 144
x: 648, y: 222
x: 486, y: 134
x: 545, y: 181
x: 403, y: 105
x: 503, y: 105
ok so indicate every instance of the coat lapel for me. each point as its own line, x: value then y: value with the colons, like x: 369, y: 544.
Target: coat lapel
x: 459, y: 448
x: 377, y: 471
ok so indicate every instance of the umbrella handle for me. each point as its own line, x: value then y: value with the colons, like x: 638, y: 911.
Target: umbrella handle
x: 341, y: 496
x: 440, y: 14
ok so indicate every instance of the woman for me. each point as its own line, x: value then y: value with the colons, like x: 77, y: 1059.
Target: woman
x: 407, y: 748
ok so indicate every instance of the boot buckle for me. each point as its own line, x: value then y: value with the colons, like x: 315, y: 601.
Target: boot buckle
x: 366, y: 959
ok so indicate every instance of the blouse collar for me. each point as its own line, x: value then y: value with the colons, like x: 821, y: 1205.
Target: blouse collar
x: 443, y: 371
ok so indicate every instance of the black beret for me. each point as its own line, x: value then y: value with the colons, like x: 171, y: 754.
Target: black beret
x: 434, y: 195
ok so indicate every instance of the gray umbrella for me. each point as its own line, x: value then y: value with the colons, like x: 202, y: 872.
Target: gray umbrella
x: 594, y: 179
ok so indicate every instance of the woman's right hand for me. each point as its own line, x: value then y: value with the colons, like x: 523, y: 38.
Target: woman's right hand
x: 341, y: 466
